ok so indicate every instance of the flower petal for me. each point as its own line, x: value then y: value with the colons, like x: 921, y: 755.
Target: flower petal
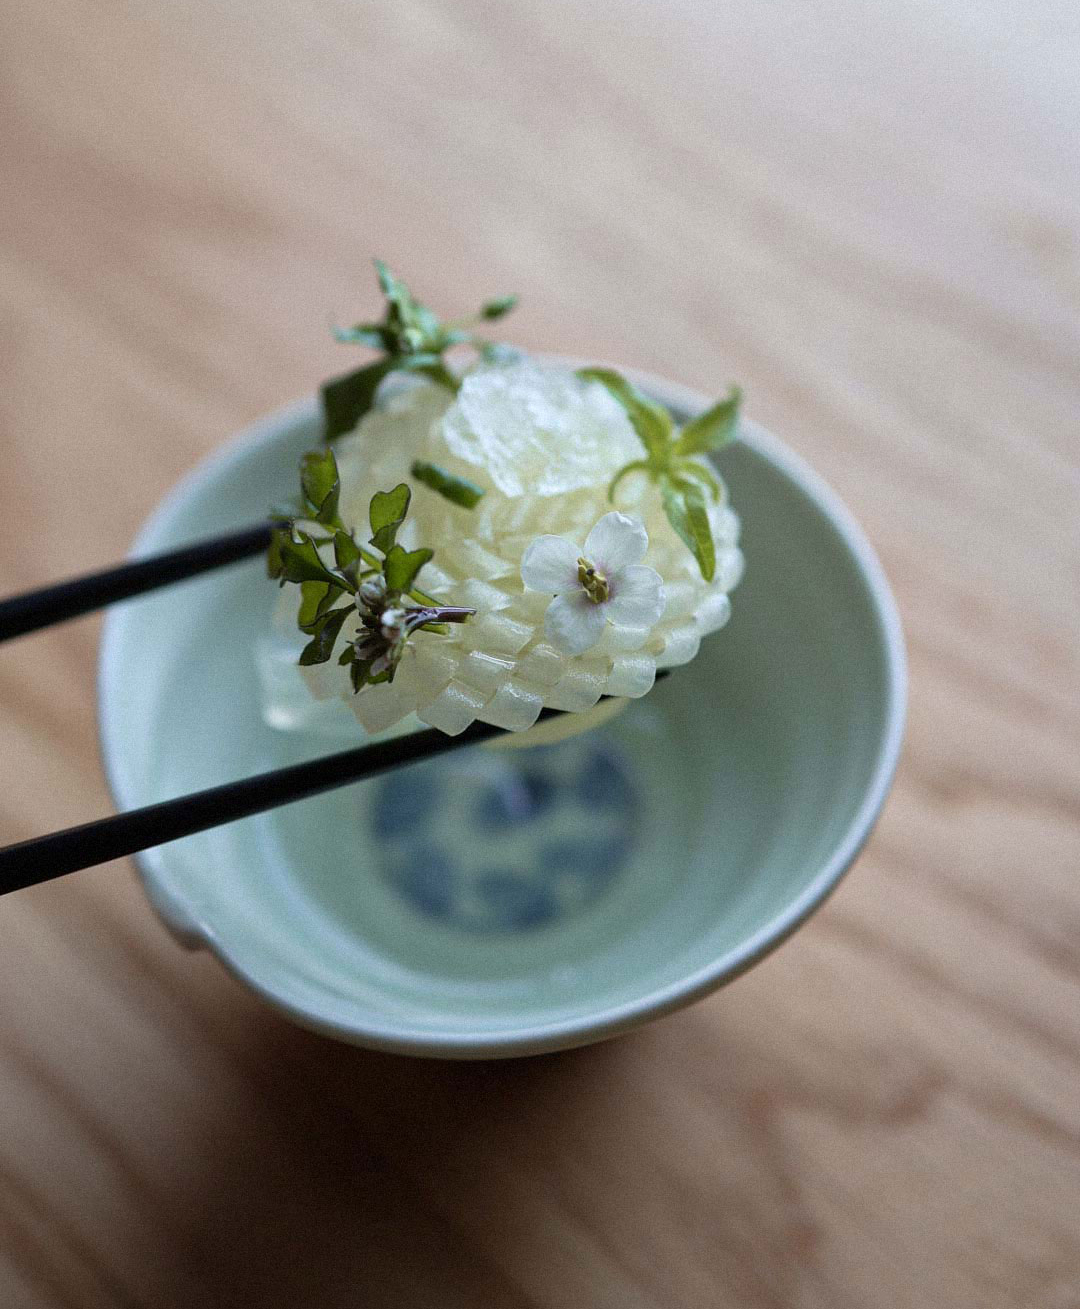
x: 616, y: 542
x: 550, y: 564
x: 574, y: 624
x: 637, y: 597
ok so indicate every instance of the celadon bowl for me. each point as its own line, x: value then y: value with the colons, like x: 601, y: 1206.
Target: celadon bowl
x: 498, y: 903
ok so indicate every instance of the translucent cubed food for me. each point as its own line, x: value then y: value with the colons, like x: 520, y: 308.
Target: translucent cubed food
x: 497, y: 633
x: 712, y: 613
x: 580, y: 687
x: 676, y: 646
x: 483, y: 672
x: 543, y: 665
x: 514, y: 706
x: 453, y: 709
x: 631, y: 675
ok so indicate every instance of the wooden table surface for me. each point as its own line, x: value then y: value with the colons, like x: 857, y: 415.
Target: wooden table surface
x: 870, y: 215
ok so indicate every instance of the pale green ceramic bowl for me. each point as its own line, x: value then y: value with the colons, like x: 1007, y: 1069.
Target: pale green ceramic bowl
x: 726, y: 805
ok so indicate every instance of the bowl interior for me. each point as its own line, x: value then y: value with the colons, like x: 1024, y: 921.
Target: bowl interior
x: 662, y: 853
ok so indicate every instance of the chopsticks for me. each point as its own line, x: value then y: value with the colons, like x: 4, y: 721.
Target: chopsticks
x: 32, y: 610
x: 44, y: 858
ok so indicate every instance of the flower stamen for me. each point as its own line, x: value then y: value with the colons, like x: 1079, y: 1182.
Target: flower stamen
x: 593, y: 583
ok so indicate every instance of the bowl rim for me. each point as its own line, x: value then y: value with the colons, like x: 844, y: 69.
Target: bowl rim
x: 531, y: 1038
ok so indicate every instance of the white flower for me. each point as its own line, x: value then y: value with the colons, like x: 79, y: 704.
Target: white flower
x: 602, y: 582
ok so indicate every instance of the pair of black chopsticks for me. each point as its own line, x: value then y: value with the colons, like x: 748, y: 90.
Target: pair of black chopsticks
x: 45, y: 857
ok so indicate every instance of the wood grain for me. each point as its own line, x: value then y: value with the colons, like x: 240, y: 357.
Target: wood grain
x: 867, y: 214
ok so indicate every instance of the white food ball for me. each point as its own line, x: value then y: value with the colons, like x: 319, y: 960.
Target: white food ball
x: 544, y: 445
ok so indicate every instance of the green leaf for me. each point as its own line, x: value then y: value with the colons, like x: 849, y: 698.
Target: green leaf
x: 300, y: 561
x: 430, y: 365
x: 346, y: 554
x: 425, y: 322
x: 401, y: 567
x: 321, y: 485
x: 274, y: 564
x: 497, y: 308
x: 419, y: 363
x: 373, y: 335
x: 346, y: 399
x: 498, y: 352
x: 690, y: 468
x: 650, y: 421
x: 684, y: 504
x: 358, y: 673
x: 637, y: 465
x: 393, y: 287
x: 411, y: 325
x: 317, y: 598
x: 386, y: 513
x: 333, y: 594
x: 312, y: 594
x: 712, y: 429
x: 457, y: 489
x: 321, y: 646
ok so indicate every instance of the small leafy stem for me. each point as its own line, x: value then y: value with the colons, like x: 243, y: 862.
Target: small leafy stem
x: 411, y: 339
x: 673, y: 459
x: 373, y: 582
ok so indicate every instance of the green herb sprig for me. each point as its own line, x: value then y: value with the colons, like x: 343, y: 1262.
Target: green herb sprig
x: 458, y: 490
x: 411, y: 339
x: 671, y: 458
x: 373, y: 579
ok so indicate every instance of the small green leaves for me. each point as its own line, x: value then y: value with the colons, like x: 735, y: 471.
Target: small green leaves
x: 347, y: 555
x: 293, y: 555
x: 373, y: 335
x: 359, y: 670
x: 412, y: 339
x: 650, y: 421
x: 312, y: 595
x: 412, y: 324
x: 400, y: 567
x: 692, y: 470
x: 274, y: 565
x: 386, y: 513
x: 300, y: 561
x: 712, y: 429
x: 315, y: 599
x: 459, y: 490
x: 497, y: 308
x: 325, y: 633
x: 346, y: 399
x: 684, y: 504
x: 320, y: 484
x: 375, y: 583
x: 674, y: 459
x: 498, y: 352
x: 395, y: 290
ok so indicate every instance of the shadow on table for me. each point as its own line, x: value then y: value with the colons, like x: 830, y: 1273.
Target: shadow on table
x: 352, y: 1178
